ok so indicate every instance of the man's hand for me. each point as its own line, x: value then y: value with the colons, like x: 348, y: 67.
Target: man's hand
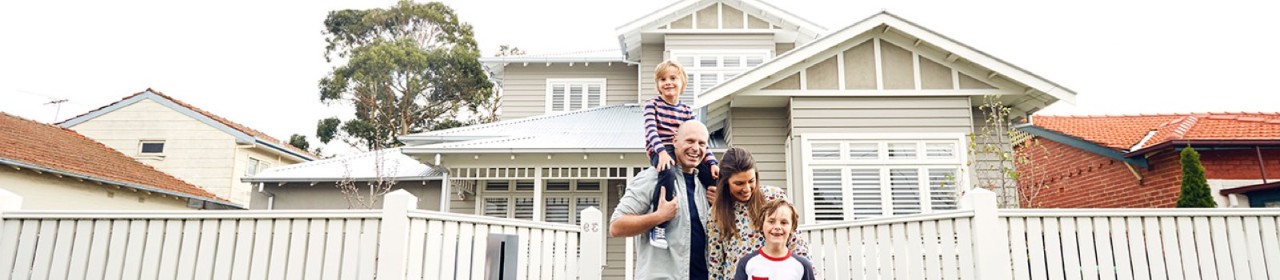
x: 664, y: 162
x: 666, y: 208
x: 711, y: 193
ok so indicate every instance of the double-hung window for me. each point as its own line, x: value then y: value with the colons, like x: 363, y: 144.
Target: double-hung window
x: 565, y: 95
x: 855, y: 176
x: 708, y: 68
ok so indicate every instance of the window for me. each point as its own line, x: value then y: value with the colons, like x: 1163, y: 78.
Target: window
x: 150, y: 147
x: 253, y: 167
x: 562, y: 199
x: 565, y: 95
x: 706, y: 69
x: 860, y: 176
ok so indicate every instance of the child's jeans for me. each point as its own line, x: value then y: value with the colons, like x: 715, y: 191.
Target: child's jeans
x: 667, y: 179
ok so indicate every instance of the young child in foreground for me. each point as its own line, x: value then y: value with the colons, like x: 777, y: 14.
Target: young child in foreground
x: 663, y: 115
x: 774, y: 261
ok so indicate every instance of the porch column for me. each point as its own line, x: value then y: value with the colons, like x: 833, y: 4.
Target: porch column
x: 537, y: 194
x: 445, y: 188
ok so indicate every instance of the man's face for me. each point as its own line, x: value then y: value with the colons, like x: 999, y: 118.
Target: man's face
x: 691, y: 145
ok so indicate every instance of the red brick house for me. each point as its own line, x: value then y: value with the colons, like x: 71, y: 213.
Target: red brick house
x: 1134, y: 161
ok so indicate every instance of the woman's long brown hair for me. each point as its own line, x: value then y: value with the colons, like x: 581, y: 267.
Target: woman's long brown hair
x: 735, y: 160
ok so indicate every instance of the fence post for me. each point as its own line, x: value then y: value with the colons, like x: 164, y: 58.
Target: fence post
x: 393, y: 237
x: 591, y: 242
x: 990, y: 236
x: 9, y: 201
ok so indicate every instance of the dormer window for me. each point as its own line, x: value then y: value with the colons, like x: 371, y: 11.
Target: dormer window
x: 565, y: 95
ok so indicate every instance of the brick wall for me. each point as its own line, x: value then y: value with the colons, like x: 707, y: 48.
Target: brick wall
x: 1060, y: 176
x: 1239, y: 164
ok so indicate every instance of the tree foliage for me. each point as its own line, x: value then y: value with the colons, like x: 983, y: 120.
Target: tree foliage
x: 1195, y: 189
x: 1008, y: 163
x: 408, y: 68
x: 299, y: 141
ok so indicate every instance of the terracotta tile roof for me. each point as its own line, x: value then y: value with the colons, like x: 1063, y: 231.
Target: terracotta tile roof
x: 224, y: 121
x: 61, y: 149
x: 1125, y: 131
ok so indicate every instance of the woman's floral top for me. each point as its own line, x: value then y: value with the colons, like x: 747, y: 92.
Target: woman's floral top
x: 723, y: 255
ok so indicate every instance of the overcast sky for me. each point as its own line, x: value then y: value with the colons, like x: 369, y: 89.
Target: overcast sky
x: 258, y: 62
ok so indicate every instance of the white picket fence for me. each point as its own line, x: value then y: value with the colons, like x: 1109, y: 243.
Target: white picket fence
x: 396, y: 242
x: 982, y: 242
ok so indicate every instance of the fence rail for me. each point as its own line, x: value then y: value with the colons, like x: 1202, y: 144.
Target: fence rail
x: 981, y: 242
x: 396, y: 242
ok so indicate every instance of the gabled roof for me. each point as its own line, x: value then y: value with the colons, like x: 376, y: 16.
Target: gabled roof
x: 603, y: 129
x: 243, y: 134
x: 51, y: 149
x: 629, y: 33
x: 357, y: 167
x: 1136, y: 133
x: 803, y: 54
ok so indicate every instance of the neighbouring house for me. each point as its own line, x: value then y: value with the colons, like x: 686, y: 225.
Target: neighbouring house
x: 315, y: 185
x: 187, y: 142
x: 868, y: 120
x: 53, y: 168
x: 1134, y: 161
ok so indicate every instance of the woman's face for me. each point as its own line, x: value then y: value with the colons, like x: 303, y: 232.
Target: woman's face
x: 742, y: 184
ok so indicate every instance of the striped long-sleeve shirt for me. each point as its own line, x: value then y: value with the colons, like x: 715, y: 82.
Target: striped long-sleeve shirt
x: 661, y: 119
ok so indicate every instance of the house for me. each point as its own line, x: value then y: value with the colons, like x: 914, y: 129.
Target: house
x: 1133, y: 161
x: 192, y: 144
x: 868, y: 120
x: 316, y: 184
x: 53, y: 168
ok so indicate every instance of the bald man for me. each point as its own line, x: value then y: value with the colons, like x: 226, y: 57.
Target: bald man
x: 685, y: 256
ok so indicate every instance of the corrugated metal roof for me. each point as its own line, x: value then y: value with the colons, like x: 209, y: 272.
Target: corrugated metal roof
x: 610, y: 128
x: 357, y: 167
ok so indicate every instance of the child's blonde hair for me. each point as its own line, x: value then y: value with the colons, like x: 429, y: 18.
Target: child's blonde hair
x: 671, y: 65
x: 773, y: 206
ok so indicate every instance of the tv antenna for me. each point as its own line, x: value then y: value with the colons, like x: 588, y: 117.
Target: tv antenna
x: 57, y: 110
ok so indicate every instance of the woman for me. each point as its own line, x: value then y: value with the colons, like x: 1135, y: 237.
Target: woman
x: 739, y: 199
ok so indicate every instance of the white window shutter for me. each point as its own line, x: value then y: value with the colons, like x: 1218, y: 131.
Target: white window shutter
x: 942, y: 188
x: 904, y: 190
x: 828, y: 195
x: 524, y: 208
x: 557, y: 210
x: 496, y: 207
x: 865, y: 192
x: 557, y: 97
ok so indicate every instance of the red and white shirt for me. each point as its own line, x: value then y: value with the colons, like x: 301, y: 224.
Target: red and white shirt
x: 759, y: 266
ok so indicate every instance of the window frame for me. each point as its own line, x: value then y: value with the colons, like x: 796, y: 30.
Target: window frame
x: 143, y: 143
x: 695, y: 71
x: 884, y: 165
x: 569, y: 83
x: 511, y: 194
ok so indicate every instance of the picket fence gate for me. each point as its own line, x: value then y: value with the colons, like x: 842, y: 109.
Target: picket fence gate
x: 396, y: 242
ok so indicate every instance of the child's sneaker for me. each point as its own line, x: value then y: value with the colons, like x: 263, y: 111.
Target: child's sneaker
x: 658, y: 237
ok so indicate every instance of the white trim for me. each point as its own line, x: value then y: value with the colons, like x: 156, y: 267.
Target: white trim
x: 569, y: 83
x: 821, y: 45
x: 840, y: 70
x: 879, y: 63
x: 720, y: 15
x: 955, y: 78
x: 915, y: 66
x: 807, y: 176
x: 804, y: 79
x: 872, y: 92
x: 538, y: 199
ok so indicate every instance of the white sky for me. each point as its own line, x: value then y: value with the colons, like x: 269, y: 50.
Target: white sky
x: 258, y: 62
